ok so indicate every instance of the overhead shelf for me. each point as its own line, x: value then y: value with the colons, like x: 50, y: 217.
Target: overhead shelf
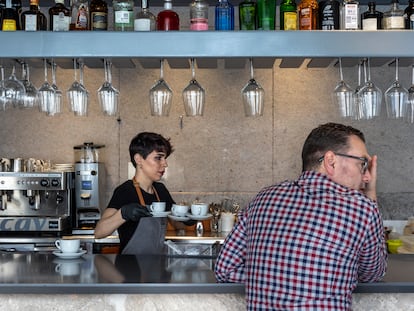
x: 127, y: 49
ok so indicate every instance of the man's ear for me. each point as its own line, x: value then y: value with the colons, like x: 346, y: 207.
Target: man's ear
x: 329, y: 161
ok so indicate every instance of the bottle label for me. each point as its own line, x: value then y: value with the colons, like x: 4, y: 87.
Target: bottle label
x: 142, y: 24
x: 61, y: 22
x: 305, y: 19
x: 123, y: 17
x: 394, y: 22
x: 351, y: 16
x: 9, y: 25
x: 369, y: 24
x: 99, y: 21
x: 198, y: 24
x: 30, y: 22
x: 290, y: 21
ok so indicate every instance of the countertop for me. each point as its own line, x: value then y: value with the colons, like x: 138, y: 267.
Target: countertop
x: 44, y: 273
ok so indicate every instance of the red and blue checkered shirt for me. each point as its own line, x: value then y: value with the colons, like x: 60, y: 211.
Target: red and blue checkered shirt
x: 304, y: 245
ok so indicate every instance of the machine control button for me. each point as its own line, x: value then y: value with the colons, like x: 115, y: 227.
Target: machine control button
x: 44, y: 182
x: 55, y: 182
x: 93, y: 173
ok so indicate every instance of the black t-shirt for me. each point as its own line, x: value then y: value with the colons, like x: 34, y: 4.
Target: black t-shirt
x: 125, y: 194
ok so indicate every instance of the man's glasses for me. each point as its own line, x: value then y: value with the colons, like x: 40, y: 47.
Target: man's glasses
x: 364, y: 164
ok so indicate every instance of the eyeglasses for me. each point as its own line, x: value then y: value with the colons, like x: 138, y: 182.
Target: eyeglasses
x: 364, y: 164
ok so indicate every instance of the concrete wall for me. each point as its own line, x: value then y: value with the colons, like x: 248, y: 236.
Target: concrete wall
x: 222, y: 154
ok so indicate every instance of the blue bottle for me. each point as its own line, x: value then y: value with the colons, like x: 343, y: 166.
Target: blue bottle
x: 224, y: 15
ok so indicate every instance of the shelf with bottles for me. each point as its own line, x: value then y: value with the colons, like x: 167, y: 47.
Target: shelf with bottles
x: 159, y: 3
x: 126, y: 49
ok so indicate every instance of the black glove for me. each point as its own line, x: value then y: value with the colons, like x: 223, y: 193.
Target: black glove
x: 134, y: 212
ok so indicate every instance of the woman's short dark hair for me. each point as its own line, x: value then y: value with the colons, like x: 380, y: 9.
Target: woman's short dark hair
x: 146, y: 142
x: 329, y: 136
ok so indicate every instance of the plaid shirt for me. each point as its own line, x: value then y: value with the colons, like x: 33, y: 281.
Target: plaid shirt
x: 304, y: 245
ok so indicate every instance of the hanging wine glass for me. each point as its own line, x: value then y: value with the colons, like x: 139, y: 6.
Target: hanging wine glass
x: 396, y: 98
x: 77, y: 94
x: 14, y: 90
x: 193, y: 96
x: 344, y: 96
x: 30, y: 99
x: 108, y: 96
x: 369, y: 97
x: 253, y: 96
x: 55, y: 106
x: 409, y: 116
x: 160, y: 95
x: 46, y: 93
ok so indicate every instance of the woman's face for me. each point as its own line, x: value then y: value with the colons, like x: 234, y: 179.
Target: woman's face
x: 154, y: 165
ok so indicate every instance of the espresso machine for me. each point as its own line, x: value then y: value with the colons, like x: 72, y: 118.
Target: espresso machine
x: 89, y: 186
x: 35, y: 203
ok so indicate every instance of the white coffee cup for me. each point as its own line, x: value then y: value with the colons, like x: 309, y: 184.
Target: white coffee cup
x: 227, y: 221
x: 157, y: 207
x: 199, y: 209
x: 68, y: 268
x: 179, y: 210
x: 68, y: 245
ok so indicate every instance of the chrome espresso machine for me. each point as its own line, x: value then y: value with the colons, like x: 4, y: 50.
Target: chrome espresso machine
x: 89, y: 187
x: 35, y: 203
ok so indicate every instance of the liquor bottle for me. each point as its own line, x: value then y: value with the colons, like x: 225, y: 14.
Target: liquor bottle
x: 59, y: 17
x: 350, y: 15
x: 9, y: 18
x: 288, y: 15
x: 224, y: 15
x: 371, y: 19
x: 394, y: 18
x: 266, y: 12
x: 168, y: 19
x: 308, y: 15
x: 80, y: 15
x: 98, y: 15
x: 145, y: 20
x: 408, y: 15
x: 123, y: 15
x: 247, y: 15
x: 198, y: 15
x: 33, y: 19
x: 329, y: 15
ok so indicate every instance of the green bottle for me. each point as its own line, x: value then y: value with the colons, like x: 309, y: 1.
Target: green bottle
x: 247, y: 15
x: 288, y: 15
x: 266, y: 11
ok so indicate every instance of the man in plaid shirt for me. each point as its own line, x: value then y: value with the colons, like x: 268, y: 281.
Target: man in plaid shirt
x: 305, y: 244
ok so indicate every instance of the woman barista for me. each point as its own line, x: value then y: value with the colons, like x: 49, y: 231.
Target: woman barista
x: 138, y: 232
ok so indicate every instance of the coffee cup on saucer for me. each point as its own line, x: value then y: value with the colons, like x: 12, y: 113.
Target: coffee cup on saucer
x: 68, y: 245
x: 157, y: 207
x: 199, y: 209
x: 179, y: 210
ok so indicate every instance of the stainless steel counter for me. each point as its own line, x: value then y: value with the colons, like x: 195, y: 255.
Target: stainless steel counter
x: 43, y: 273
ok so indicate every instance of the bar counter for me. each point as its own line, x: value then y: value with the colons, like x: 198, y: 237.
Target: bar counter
x: 188, y: 279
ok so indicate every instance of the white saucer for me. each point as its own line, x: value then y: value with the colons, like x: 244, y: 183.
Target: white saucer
x: 179, y: 218
x: 160, y: 214
x: 69, y: 255
x: 198, y: 217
